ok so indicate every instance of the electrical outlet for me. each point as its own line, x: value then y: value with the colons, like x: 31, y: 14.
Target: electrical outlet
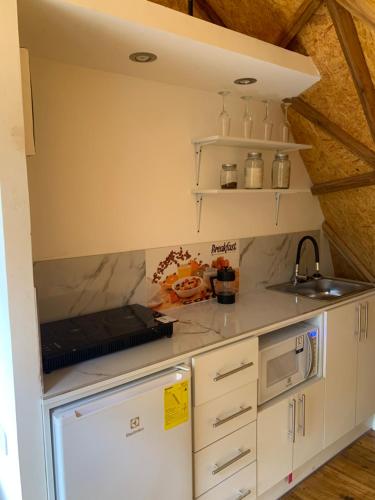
x: 3, y: 442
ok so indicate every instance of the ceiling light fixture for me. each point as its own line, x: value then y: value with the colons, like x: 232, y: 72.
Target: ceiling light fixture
x: 142, y: 57
x: 245, y: 81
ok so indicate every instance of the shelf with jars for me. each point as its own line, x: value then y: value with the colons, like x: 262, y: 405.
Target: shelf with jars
x: 240, y: 142
x: 254, y: 165
x: 254, y: 173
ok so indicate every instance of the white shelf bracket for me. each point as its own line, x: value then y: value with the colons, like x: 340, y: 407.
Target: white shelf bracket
x: 199, y: 202
x: 198, y: 153
x: 277, y: 207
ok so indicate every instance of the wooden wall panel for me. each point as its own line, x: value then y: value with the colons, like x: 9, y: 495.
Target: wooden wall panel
x: 267, y: 20
x: 352, y: 215
x: 367, y: 39
x: 328, y: 160
x: 341, y: 267
x: 182, y: 6
x: 335, y: 95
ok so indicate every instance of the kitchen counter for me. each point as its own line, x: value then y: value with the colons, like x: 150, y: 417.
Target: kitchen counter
x: 200, y: 327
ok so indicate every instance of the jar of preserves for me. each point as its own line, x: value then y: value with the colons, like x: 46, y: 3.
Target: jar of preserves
x: 254, y: 171
x: 281, y: 171
x: 228, y: 176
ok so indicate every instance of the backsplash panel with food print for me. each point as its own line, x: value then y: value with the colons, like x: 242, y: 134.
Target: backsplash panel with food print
x: 181, y: 275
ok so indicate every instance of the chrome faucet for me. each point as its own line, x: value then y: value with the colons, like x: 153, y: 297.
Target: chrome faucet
x: 298, y: 277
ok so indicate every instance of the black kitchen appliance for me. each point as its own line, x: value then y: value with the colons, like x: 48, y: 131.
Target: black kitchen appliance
x: 224, y: 286
x: 73, y: 340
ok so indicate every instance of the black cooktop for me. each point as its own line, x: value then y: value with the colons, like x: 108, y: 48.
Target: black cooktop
x: 73, y: 340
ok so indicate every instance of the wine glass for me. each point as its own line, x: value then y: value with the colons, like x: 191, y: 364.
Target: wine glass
x: 267, y: 123
x: 224, y: 118
x: 247, y: 119
x: 285, y: 126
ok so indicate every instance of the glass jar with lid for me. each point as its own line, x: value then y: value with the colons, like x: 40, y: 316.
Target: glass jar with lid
x: 228, y: 176
x: 281, y: 171
x: 254, y: 171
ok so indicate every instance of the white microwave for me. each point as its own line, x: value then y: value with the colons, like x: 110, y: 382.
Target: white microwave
x: 287, y: 358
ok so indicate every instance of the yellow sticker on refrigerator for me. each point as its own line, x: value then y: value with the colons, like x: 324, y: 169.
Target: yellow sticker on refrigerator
x: 176, y: 404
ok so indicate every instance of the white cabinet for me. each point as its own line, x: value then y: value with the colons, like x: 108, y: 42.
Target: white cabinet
x: 221, y: 371
x: 365, y: 403
x: 225, y: 410
x: 309, y: 424
x: 290, y: 432
x: 350, y: 368
x: 239, y: 486
x: 275, y: 444
x: 341, y: 361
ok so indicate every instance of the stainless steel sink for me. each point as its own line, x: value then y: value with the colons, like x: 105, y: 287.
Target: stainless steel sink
x: 323, y: 288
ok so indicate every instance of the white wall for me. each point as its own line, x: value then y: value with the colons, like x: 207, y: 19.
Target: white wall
x: 114, y: 166
x: 21, y: 460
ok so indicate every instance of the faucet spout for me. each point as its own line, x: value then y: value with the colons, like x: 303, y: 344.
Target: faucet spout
x: 316, y: 275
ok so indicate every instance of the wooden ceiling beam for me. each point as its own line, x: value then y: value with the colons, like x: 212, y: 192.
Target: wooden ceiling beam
x: 352, y: 49
x: 348, y: 255
x: 302, y: 16
x: 363, y: 9
x: 314, y: 116
x: 352, y: 182
x: 210, y: 12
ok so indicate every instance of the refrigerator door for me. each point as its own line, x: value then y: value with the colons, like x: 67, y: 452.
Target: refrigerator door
x: 132, y: 443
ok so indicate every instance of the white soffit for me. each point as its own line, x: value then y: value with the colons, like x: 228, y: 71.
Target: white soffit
x: 101, y: 34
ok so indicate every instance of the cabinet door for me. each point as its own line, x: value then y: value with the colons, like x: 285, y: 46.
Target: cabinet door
x: 309, y: 424
x: 366, y: 363
x: 341, y: 368
x: 275, y: 443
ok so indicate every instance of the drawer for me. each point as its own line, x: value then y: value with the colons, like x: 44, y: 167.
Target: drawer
x: 241, y: 485
x: 225, y: 369
x: 221, y: 416
x: 222, y: 459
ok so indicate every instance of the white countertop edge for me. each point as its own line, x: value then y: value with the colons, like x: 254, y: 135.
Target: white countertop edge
x: 89, y: 390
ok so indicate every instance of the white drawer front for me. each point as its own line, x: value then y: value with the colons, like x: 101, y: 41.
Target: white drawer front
x: 220, y: 417
x: 225, y: 369
x: 223, y: 458
x: 241, y: 485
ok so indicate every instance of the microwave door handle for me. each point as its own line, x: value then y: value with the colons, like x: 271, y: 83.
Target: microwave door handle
x: 310, y: 358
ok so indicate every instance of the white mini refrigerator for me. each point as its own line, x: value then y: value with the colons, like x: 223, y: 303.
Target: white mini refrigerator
x: 129, y: 443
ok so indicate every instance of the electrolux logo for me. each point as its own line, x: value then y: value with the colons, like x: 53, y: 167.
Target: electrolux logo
x: 225, y: 247
x: 135, y: 426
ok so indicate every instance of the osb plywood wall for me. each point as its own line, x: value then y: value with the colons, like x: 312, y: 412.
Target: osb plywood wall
x: 350, y: 213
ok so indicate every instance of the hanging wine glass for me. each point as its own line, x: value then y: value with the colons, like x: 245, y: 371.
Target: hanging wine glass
x: 247, y: 119
x: 224, y: 118
x: 285, y: 126
x: 267, y: 123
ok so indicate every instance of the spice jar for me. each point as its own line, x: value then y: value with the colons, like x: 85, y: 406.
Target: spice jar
x: 228, y: 176
x: 281, y: 171
x: 254, y: 168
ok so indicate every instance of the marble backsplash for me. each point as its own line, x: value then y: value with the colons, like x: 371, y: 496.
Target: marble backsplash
x: 76, y: 286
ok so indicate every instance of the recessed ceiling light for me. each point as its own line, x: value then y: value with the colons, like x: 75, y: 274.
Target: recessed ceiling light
x: 245, y: 81
x: 142, y: 57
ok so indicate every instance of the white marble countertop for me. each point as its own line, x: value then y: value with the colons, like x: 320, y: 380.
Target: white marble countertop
x: 200, y: 327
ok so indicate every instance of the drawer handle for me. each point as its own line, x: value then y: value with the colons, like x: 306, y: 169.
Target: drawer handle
x: 243, y: 494
x: 220, y: 468
x: 234, y: 415
x: 232, y: 372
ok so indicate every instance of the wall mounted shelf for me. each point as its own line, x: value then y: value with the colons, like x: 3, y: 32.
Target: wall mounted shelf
x: 240, y: 142
x: 200, y: 193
